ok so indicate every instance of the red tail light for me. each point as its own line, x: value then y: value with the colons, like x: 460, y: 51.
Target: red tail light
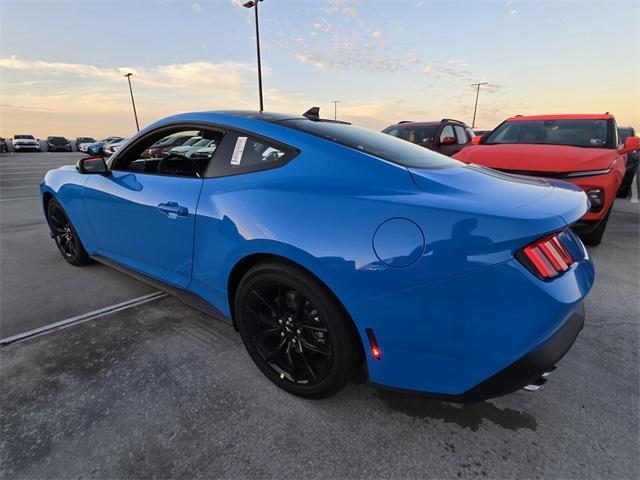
x: 546, y: 257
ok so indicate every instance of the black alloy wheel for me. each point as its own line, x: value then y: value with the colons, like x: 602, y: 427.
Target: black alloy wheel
x: 65, y: 235
x: 295, y: 331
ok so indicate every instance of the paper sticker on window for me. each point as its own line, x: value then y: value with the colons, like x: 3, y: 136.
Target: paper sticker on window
x: 238, y: 150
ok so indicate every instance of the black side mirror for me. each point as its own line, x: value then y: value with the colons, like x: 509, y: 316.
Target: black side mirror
x: 89, y: 165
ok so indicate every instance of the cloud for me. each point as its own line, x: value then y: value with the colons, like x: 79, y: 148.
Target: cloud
x: 227, y: 76
x: 196, y: 7
x: 513, y: 13
x: 377, y: 34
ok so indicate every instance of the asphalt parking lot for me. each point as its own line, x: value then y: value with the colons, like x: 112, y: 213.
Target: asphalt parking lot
x: 160, y: 390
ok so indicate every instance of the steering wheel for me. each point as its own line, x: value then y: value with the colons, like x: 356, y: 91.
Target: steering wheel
x: 178, y: 165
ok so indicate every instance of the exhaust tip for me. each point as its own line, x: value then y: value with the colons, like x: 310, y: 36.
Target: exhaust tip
x: 537, y: 385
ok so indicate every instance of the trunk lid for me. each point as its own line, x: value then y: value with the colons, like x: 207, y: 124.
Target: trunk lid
x: 491, y: 191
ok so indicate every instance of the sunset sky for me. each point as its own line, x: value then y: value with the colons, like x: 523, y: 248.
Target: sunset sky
x: 62, y: 62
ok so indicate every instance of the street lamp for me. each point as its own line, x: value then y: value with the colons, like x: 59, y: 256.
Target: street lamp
x: 473, y: 124
x: 335, y: 108
x: 135, y: 114
x: 254, y: 4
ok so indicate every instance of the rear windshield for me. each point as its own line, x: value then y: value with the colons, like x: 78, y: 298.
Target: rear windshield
x: 589, y: 133
x: 377, y: 144
x: 413, y: 133
x: 24, y: 137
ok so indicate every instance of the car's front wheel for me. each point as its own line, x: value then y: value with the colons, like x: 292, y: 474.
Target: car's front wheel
x: 295, y: 330
x: 65, y: 235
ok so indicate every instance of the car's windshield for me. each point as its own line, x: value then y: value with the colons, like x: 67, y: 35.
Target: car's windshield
x: 413, y: 133
x: 57, y: 139
x: 589, y: 133
x: 377, y: 144
x: 191, y: 141
x: 203, y: 143
x: 24, y: 137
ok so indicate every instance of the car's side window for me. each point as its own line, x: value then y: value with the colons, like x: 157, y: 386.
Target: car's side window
x: 461, y: 135
x: 470, y: 133
x: 447, y: 131
x: 181, y: 152
x: 241, y: 153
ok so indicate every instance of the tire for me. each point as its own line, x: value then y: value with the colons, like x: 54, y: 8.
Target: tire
x: 65, y: 235
x: 286, y: 312
x: 594, y: 237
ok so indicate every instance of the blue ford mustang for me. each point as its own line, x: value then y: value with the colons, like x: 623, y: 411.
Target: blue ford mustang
x: 332, y: 248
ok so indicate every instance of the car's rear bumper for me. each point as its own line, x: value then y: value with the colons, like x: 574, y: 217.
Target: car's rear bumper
x: 525, y: 371
x: 449, y: 337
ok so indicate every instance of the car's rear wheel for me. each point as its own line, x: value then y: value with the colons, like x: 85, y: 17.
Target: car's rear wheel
x: 594, y: 237
x: 295, y: 330
x: 65, y: 235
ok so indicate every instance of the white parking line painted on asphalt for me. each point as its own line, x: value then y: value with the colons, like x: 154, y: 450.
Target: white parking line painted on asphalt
x: 16, y: 198
x: 20, y: 179
x: 134, y: 302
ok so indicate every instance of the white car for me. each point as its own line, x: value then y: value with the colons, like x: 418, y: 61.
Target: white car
x: 203, y: 151
x: 111, y: 148
x: 25, y: 143
x: 183, y: 149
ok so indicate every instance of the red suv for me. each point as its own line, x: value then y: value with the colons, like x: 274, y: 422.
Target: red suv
x: 447, y: 136
x: 582, y: 149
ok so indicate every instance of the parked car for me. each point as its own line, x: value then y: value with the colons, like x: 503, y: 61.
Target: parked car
x: 3, y: 145
x: 633, y: 158
x: 204, y: 151
x: 329, y: 246
x: 98, y: 147
x: 25, y: 143
x: 82, y: 143
x: 581, y: 149
x: 447, y: 136
x: 110, y: 148
x: 157, y: 150
x: 57, y: 144
x: 184, y: 148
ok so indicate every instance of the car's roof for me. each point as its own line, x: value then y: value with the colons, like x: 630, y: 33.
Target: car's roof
x: 562, y: 116
x: 411, y: 123
x: 256, y: 115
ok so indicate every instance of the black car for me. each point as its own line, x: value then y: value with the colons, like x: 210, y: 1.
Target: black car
x: 445, y: 136
x: 3, y: 145
x: 58, y: 144
x: 633, y: 159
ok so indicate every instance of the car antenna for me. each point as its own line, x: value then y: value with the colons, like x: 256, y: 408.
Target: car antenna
x: 312, y: 114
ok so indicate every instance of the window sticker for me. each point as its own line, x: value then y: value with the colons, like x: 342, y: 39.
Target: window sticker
x: 238, y: 150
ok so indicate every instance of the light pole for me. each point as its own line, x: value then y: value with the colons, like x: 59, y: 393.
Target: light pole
x: 254, y: 4
x: 335, y: 108
x: 473, y: 124
x: 135, y: 114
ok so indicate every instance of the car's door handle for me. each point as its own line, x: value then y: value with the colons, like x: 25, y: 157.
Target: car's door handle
x: 173, y: 210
